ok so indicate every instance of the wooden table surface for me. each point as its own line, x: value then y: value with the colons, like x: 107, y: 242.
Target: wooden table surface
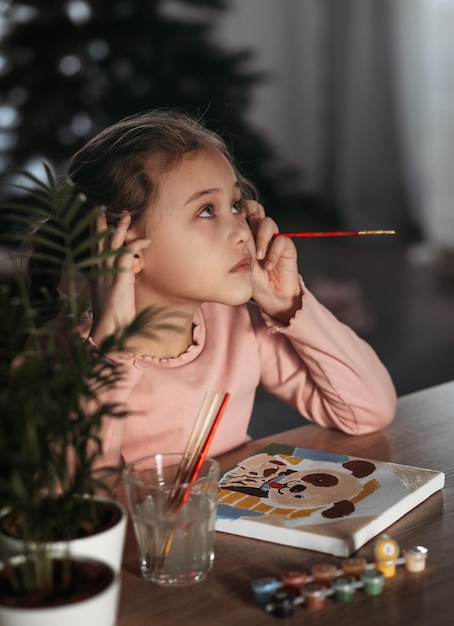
x: 422, y: 434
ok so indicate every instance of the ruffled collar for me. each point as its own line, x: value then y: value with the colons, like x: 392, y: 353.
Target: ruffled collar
x: 144, y: 361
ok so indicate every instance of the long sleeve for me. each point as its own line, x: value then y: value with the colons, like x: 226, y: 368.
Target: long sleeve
x: 113, y: 429
x: 322, y: 368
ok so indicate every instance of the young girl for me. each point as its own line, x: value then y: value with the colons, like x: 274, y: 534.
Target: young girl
x: 200, y: 249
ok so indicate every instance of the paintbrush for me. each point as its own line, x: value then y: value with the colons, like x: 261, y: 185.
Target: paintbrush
x: 336, y: 233
x: 199, y: 442
x: 196, y: 451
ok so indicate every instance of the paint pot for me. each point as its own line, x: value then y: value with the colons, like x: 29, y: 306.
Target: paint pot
x: 314, y: 595
x: 353, y: 567
x: 294, y: 579
x: 415, y: 559
x: 323, y: 573
x: 281, y: 604
x: 387, y: 567
x: 386, y: 549
x: 264, y: 588
x: 373, y: 582
x: 344, y: 588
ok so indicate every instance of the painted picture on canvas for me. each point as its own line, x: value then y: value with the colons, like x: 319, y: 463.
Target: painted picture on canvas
x: 325, y: 501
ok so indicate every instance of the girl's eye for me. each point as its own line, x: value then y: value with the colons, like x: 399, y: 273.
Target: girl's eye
x: 208, y: 211
x: 239, y: 207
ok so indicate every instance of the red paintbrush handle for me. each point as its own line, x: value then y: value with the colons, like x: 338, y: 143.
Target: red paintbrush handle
x: 336, y: 233
x: 209, y: 439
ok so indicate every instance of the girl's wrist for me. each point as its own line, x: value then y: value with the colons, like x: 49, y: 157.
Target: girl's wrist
x: 99, y: 331
x: 282, y: 311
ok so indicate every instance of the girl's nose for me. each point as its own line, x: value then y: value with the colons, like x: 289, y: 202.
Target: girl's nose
x: 240, y: 232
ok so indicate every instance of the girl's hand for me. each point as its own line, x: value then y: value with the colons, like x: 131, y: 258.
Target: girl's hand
x: 277, y: 287
x: 113, y: 294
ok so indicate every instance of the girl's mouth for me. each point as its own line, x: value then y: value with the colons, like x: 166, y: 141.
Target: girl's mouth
x: 245, y: 265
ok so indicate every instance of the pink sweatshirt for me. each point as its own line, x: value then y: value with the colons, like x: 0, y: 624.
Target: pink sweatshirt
x: 316, y: 364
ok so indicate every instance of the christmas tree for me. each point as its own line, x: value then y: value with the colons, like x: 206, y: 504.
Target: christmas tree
x: 70, y: 68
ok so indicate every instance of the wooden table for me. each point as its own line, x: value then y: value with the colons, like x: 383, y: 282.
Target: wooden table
x: 422, y: 435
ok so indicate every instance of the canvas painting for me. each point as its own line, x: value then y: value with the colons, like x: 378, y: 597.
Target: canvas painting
x: 318, y: 500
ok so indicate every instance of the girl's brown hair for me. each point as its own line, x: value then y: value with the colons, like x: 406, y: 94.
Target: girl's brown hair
x: 119, y: 168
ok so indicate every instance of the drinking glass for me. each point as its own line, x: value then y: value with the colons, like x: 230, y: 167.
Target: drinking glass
x: 174, y: 521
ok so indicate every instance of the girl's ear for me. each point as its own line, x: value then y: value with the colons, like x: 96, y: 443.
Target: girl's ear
x: 137, y: 265
x: 138, y: 261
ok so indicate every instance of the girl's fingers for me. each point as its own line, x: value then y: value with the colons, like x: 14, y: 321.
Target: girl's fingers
x: 255, y: 214
x: 101, y: 222
x: 117, y: 241
x: 113, y: 239
x: 100, y: 226
x: 262, y: 227
x: 264, y: 237
x: 134, y: 248
x: 254, y: 209
x: 280, y: 248
x: 119, y: 236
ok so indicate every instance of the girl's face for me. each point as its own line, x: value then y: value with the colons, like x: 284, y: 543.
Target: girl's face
x: 202, y: 248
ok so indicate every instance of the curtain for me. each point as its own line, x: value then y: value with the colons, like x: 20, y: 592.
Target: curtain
x: 360, y: 97
x: 364, y: 160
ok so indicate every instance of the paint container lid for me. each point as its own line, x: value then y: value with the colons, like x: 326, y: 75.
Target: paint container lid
x: 314, y: 590
x: 323, y: 572
x: 354, y: 566
x: 372, y: 575
x: 386, y: 549
x: 343, y: 582
x: 295, y: 578
x: 281, y: 604
x: 264, y: 588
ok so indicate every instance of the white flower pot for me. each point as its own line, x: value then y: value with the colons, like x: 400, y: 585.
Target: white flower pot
x: 106, y: 546
x: 99, y: 610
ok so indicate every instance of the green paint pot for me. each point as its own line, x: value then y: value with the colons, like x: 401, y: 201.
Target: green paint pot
x: 344, y: 588
x: 373, y: 582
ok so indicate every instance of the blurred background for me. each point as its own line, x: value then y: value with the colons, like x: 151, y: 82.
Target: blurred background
x: 341, y: 112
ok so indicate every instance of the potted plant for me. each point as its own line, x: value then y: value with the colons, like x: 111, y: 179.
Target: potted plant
x: 51, y: 420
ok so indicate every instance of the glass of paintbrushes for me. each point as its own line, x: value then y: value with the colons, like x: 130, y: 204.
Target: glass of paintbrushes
x: 172, y: 500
